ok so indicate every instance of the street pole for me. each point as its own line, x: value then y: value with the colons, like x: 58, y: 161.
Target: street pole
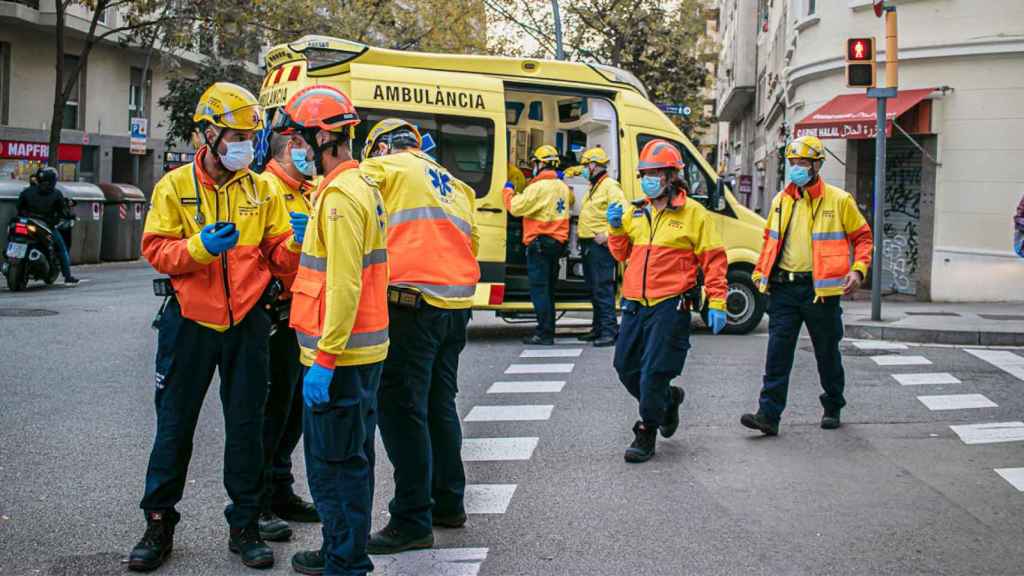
x: 559, y: 49
x: 882, y: 94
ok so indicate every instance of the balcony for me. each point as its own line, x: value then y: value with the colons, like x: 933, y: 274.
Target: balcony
x: 737, y: 84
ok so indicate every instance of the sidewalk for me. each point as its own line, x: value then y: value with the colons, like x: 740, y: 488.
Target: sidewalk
x: 982, y: 324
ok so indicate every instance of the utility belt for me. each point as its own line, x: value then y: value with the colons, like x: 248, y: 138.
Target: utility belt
x: 779, y: 276
x: 405, y: 297
x: 270, y: 301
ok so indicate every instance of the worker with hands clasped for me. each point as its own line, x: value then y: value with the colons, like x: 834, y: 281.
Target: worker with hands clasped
x: 805, y: 268
x: 666, y: 239
x: 220, y: 233
x: 545, y: 206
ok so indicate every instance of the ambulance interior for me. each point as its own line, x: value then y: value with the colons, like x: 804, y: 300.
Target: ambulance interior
x: 571, y: 124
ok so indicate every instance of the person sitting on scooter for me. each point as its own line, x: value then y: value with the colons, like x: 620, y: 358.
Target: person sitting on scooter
x: 43, y: 200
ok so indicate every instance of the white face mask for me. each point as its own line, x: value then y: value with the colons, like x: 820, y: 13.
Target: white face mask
x: 238, y: 156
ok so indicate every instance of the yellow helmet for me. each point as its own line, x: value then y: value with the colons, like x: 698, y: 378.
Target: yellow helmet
x: 388, y: 126
x: 597, y: 155
x: 807, y: 147
x: 229, y: 105
x: 548, y: 155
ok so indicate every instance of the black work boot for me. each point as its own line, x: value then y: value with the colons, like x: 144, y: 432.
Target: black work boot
x: 156, y: 543
x: 537, y: 340
x: 450, y: 521
x: 273, y: 528
x: 830, y: 421
x: 391, y: 540
x: 587, y: 337
x: 604, y: 341
x: 672, y: 414
x: 294, y: 509
x: 249, y: 545
x: 310, y: 562
x: 71, y: 280
x: 760, y: 422
x: 642, y: 448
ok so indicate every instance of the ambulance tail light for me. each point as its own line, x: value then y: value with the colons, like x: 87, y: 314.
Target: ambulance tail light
x: 497, y: 296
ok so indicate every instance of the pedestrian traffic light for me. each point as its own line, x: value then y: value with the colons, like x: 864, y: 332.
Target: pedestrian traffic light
x: 860, y: 62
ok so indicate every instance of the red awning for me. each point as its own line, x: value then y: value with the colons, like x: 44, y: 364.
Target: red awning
x: 852, y: 116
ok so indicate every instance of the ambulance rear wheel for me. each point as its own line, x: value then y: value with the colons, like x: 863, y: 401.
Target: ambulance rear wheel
x: 744, y: 304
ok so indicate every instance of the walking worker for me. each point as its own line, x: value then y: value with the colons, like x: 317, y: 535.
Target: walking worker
x: 429, y: 301
x: 667, y: 240
x: 219, y: 232
x: 805, y: 268
x: 545, y: 205
x: 287, y: 174
x: 598, y: 263
x: 339, y: 312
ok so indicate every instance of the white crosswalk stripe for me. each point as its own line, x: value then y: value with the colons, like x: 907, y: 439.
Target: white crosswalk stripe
x: 1002, y: 359
x: 509, y: 413
x: 956, y: 401
x: 488, y: 498
x: 498, y: 449
x: 433, y: 562
x: 990, y: 433
x: 926, y: 378
x: 895, y: 360
x: 1015, y: 476
x: 551, y: 353
x: 879, y: 345
x: 539, y: 369
x: 527, y: 387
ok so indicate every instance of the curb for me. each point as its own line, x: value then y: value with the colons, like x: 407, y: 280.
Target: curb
x: 924, y: 336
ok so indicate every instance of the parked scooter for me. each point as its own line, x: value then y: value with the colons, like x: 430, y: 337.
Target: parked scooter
x: 31, y: 251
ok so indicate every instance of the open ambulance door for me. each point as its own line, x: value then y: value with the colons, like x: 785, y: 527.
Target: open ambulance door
x: 462, y: 119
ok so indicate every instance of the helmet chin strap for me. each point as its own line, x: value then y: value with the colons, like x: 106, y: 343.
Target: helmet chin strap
x: 309, y: 135
x: 214, y: 147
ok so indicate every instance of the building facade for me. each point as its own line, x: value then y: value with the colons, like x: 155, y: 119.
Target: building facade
x: 953, y: 169
x: 95, y: 142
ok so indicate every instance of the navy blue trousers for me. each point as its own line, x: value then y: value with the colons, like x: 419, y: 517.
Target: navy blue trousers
x: 599, y: 274
x: 650, y: 352
x: 282, y: 425
x: 790, y: 306
x: 542, y: 257
x: 339, y: 438
x: 418, y: 421
x: 187, y: 355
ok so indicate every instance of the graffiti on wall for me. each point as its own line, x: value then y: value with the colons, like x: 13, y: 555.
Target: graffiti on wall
x: 900, y: 247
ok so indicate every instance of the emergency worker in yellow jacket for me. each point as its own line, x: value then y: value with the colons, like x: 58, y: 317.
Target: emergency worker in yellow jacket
x: 287, y: 174
x: 339, y: 312
x: 598, y: 263
x: 666, y: 239
x: 814, y: 231
x: 545, y: 206
x: 432, y: 245
x: 219, y: 232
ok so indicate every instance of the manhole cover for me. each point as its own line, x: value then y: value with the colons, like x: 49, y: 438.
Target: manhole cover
x: 26, y: 312
x: 929, y: 313
x: 1006, y: 317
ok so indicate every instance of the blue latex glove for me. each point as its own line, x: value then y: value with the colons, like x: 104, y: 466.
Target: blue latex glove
x: 614, y: 215
x: 315, y: 385
x: 298, y: 221
x: 717, y: 320
x: 218, y: 241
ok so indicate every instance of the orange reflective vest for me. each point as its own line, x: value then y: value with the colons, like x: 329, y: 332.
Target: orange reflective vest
x: 432, y: 233
x: 836, y: 223
x: 217, y: 291
x: 339, y: 297
x: 664, y: 249
x: 545, y: 205
x: 294, y: 194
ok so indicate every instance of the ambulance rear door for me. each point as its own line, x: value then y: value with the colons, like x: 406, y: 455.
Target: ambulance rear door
x: 462, y: 118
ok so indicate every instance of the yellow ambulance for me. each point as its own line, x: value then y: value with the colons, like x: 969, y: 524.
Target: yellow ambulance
x: 482, y: 115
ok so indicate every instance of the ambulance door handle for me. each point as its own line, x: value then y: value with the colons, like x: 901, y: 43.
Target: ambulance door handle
x: 489, y: 209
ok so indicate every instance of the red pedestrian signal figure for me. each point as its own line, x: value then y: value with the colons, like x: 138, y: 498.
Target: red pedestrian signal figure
x: 860, y: 62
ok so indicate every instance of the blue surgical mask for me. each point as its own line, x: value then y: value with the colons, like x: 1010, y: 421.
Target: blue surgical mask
x: 586, y: 172
x: 651, y: 185
x: 304, y: 166
x: 238, y: 156
x: 799, y: 175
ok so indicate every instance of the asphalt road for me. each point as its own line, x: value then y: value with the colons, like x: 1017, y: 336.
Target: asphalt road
x: 895, y: 491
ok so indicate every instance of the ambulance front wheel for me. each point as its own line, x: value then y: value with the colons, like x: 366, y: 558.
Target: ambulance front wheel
x: 744, y: 304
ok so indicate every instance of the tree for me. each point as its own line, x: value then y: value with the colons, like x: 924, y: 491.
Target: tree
x: 661, y: 42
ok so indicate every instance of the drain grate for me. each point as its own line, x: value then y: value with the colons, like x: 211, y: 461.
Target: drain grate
x: 1003, y: 317
x: 26, y: 312
x: 929, y: 313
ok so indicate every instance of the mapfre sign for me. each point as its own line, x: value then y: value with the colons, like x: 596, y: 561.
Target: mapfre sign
x: 18, y: 150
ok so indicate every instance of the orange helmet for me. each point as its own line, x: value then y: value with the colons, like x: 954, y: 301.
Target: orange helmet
x: 660, y: 153
x: 317, y: 107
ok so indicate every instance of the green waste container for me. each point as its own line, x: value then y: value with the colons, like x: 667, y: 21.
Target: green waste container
x: 124, y: 216
x: 9, y: 192
x: 87, y: 233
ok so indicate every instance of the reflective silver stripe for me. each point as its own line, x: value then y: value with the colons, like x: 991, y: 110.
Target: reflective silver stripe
x: 360, y: 340
x: 832, y: 283
x: 828, y: 236
x: 307, y: 341
x: 443, y: 291
x: 429, y: 213
x: 313, y: 262
x: 378, y: 256
x: 367, y: 339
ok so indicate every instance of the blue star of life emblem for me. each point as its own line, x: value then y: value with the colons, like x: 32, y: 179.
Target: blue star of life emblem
x: 560, y: 206
x: 441, y: 182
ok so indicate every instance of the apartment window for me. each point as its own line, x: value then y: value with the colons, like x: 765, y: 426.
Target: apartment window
x: 810, y: 7
x: 5, y: 81
x: 139, y: 95
x: 71, y: 107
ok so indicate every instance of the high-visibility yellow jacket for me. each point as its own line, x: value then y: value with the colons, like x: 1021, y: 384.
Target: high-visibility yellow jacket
x: 545, y: 205
x: 836, y: 223
x: 594, y: 212
x: 432, y: 233
x: 340, y: 295
x: 516, y: 177
x: 664, y: 249
x: 217, y: 291
x: 294, y: 194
